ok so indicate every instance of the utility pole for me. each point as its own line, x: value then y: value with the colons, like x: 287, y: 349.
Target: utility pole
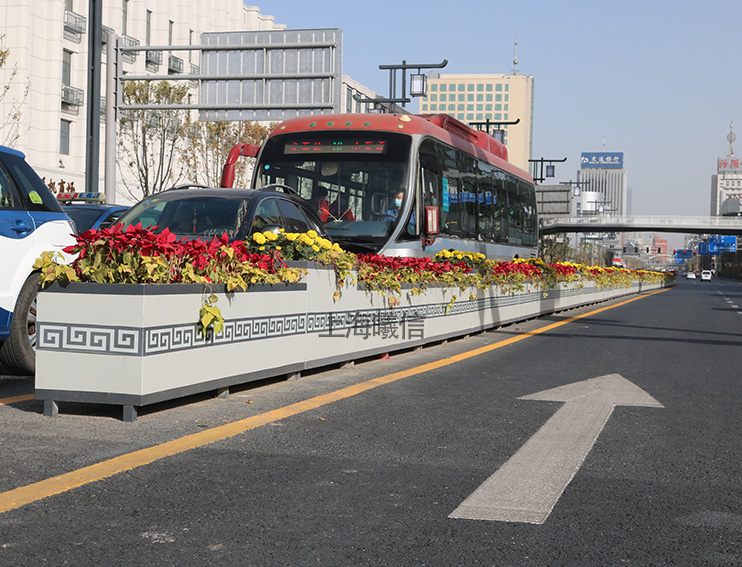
x: 95, y: 40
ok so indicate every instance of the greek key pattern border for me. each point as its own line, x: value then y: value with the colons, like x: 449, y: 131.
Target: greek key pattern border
x: 131, y: 341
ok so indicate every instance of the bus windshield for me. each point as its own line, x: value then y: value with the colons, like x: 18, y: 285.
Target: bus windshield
x: 355, y: 181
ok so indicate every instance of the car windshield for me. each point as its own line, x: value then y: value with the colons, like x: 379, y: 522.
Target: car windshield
x: 355, y: 182
x: 84, y: 218
x: 191, y: 215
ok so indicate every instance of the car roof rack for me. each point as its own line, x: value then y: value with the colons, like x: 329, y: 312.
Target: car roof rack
x: 279, y: 188
x: 189, y: 186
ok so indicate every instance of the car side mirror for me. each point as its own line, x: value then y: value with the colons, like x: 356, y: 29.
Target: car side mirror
x: 274, y: 228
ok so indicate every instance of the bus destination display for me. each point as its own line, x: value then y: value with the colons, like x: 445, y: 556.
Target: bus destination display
x: 347, y: 146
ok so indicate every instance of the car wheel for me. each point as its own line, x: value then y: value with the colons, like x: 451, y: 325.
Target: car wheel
x: 18, y: 351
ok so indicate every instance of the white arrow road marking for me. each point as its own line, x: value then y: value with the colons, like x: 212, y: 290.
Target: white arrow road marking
x: 527, y: 487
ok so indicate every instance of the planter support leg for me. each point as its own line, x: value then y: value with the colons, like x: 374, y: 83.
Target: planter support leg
x: 293, y: 376
x: 222, y: 393
x: 51, y: 409
x: 130, y: 414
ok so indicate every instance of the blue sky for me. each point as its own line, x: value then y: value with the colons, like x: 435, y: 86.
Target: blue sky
x: 658, y: 80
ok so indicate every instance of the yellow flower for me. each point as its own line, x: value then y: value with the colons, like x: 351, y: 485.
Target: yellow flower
x: 315, y: 248
x: 270, y: 236
x: 259, y: 238
x: 312, y: 233
x: 291, y: 236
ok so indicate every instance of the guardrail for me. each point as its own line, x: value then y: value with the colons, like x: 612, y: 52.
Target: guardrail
x: 690, y: 224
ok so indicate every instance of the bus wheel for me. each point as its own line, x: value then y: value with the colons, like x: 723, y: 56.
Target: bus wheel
x: 18, y: 351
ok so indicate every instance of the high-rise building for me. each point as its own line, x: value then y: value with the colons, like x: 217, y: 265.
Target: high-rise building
x: 603, y: 185
x: 47, y: 43
x: 493, y: 98
x: 726, y: 184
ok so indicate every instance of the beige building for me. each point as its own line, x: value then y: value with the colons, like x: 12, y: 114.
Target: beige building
x: 48, y: 48
x: 487, y: 97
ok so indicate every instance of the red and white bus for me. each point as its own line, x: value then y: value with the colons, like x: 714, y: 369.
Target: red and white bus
x: 401, y: 185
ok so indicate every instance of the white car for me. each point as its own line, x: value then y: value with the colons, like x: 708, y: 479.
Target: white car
x: 706, y: 276
x: 690, y: 275
x: 31, y: 222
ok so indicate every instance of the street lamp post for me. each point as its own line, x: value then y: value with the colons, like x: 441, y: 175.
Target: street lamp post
x: 548, y: 163
x: 418, y: 82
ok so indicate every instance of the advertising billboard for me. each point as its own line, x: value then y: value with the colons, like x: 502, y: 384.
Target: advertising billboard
x: 609, y: 160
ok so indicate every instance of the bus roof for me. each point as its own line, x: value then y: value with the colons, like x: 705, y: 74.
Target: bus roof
x: 441, y: 126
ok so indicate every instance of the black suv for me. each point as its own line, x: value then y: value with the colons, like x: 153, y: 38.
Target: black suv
x: 204, y: 212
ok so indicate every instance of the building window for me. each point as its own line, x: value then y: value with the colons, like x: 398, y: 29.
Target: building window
x: 170, y: 26
x: 498, y: 98
x: 498, y: 88
x: 470, y: 97
x: 64, y: 137
x: 443, y: 87
x: 190, y: 42
x: 462, y: 87
x: 470, y: 87
x: 480, y: 87
x: 433, y: 87
x: 148, y: 27
x: 66, y: 67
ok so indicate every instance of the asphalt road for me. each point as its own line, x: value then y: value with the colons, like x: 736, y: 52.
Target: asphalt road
x: 373, y: 478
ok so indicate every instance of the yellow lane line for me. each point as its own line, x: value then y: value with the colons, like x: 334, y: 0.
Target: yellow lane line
x: 23, y: 495
x: 16, y: 399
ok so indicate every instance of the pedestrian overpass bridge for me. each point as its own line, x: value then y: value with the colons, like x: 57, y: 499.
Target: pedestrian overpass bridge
x: 687, y: 225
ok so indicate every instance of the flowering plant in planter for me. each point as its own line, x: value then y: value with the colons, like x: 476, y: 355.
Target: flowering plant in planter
x: 138, y: 255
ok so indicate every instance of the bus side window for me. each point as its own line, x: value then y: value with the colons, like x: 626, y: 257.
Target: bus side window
x: 450, y: 220
x: 468, y: 196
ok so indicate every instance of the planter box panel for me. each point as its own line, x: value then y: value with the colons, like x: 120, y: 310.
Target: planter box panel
x: 134, y: 345
x: 88, y: 372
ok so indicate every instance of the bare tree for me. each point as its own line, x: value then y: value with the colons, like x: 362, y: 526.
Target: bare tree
x: 10, y: 126
x: 149, y: 139
x: 208, y: 144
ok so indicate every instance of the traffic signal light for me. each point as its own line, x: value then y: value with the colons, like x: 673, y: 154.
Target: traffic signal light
x: 647, y: 249
x: 624, y: 249
x: 659, y: 250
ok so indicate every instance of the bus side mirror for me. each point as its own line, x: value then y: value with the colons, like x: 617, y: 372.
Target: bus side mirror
x: 432, y: 225
x: 228, y: 172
